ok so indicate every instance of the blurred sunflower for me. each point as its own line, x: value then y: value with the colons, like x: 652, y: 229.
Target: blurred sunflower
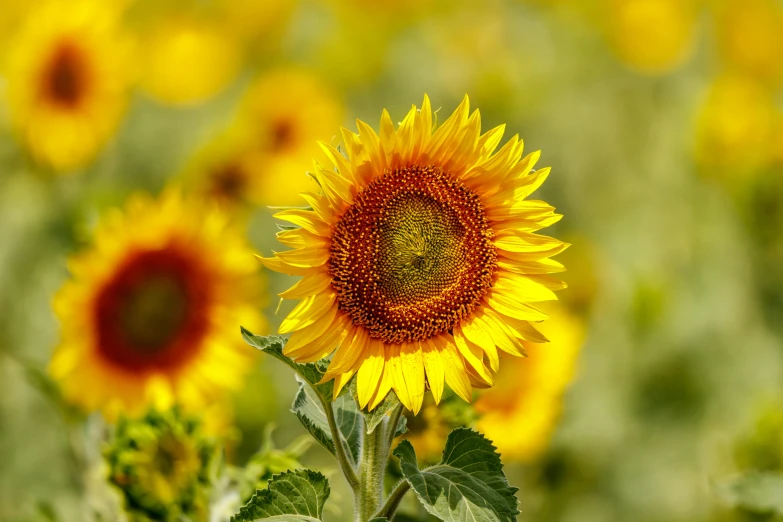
x: 160, y: 464
x: 521, y: 411
x: 651, y: 36
x: 750, y: 39
x: 285, y: 112
x: 193, y: 61
x: 68, y: 79
x: 419, y: 256
x: 228, y: 170
x: 149, y: 316
x: 735, y: 127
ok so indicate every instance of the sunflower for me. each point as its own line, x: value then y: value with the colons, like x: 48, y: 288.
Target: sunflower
x: 750, y: 39
x: 68, y: 81
x: 736, y: 127
x: 651, y: 36
x: 148, y: 316
x: 420, y: 260
x: 521, y: 411
x: 160, y: 464
x: 284, y: 112
x: 193, y: 60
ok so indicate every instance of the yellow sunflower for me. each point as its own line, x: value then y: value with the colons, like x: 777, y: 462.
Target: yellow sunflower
x: 149, y: 316
x: 750, y: 38
x: 420, y: 260
x: 68, y: 78
x: 651, y: 36
x: 521, y: 411
x: 285, y: 112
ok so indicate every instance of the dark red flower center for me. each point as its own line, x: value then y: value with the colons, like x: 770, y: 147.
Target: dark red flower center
x: 65, y: 77
x: 152, y: 314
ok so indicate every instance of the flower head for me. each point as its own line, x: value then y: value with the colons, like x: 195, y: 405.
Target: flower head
x: 68, y: 81
x: 148, y: 316
x: 420, y: 260
x: 159, y: 462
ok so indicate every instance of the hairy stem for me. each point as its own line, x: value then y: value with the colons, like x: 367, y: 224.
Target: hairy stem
x: 372, y: 468
x: 393, y: 502
x: 339, y: 450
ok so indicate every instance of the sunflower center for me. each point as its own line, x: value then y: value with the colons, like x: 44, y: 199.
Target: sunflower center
x: 229, y: 182
x: 65, y: 76
x: 413, y: 255
x: 152, y: 311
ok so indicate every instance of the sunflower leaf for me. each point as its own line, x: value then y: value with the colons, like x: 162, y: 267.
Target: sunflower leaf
x: 373, y: 418
x: 349, y: 421
x: 293, y: 496
x: 311, y: 373
x: 467, y: 486
x: 759, y: 492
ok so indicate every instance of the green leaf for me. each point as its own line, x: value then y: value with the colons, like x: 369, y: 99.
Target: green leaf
x: 293, y: 496
x: 759, y: 492
x: 467, y: 486
x: 310, y: 413
x: 373, y: 418
x: 312, y: 373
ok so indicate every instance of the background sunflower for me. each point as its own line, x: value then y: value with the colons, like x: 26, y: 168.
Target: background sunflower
x: 661, y: 120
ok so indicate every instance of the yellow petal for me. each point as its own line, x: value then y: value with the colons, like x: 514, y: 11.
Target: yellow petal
x: 434, y: 365
x: 307, y: 219
x: 311, y: 284
x: 307, y: 311
x: 455, y: 372
x: 273, y: 263
x: 472, y: 353
x: 309, y: 257
x: 311, y: 333
x: 477, y: 332
x: 370, y: 371
x: 511, y: 308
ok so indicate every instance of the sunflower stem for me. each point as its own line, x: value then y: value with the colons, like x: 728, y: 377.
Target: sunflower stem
x: 345, y: 466
x: 393, y: 502
x: 393, y: 423
x: 372, y: 468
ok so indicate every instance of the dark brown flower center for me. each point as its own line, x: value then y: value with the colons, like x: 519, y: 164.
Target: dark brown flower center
x: 413, y: 255
x: 152, y: 313
x: 65, y: 77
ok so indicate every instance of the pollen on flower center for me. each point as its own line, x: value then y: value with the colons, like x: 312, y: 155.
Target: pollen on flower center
x: 150, y: 312
x: 65, y: 76
x: 413, y: 255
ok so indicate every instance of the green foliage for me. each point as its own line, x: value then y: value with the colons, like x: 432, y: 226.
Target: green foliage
x: 468, y: 485
x: 293, y: 496
x: 311, y: 373
x: 309, y: 410
x: 758, y: 492
x: 161, y: 465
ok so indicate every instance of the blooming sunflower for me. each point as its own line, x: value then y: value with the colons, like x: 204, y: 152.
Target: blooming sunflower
x: 68, y: 81
x: 147, y: 318
x: 420, y: 260
x: 521, y: 411
x: 284, y: 112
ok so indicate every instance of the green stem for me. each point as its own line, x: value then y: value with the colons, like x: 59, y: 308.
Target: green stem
x: 339, y: 450
x: 372, y: 467
x: 393, y: 502
x: 394, y: 421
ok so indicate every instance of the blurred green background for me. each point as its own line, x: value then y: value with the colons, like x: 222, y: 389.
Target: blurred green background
x: 660, y: 119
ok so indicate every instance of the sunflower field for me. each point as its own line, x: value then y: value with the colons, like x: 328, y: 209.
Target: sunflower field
x: 391, y: 260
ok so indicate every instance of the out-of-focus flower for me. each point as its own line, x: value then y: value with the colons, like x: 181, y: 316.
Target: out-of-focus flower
x: 651, y: 36
x: 149, y: 316
x: 419, y: 256
x: 68, y: 78
x: 520, y: 413
x: 189, y: 58
x: 257, y: 24
x: 750, y: 37
x: 160, y: 464
x: 228, y: 170
x: 762, y: 448
x: 427, y: 431
x: 284, y: 114
x: 735, y: 127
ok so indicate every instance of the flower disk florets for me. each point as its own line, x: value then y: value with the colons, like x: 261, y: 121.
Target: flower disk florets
x: 413, y: 255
